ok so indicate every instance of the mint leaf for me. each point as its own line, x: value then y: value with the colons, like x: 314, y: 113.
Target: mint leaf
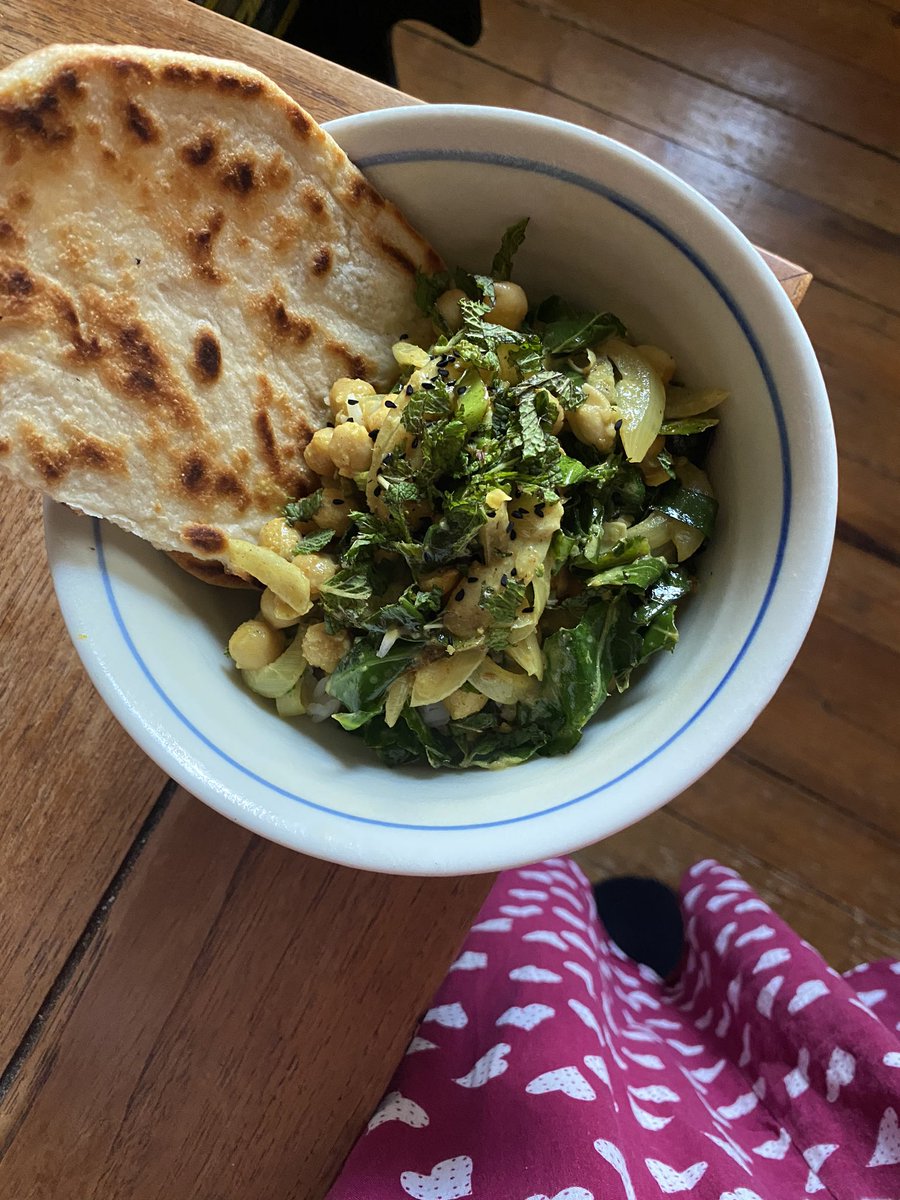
x: 304, y: 509
x: 501, y: 267
x: 313, y: 542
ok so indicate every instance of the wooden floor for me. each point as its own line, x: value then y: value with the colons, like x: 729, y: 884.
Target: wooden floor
x: 793, y: 130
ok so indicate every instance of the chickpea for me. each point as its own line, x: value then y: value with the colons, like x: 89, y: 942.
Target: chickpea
x: 447, y: 307
x: 318, y: 452
x: 345, y: 397
x: 323, y: 649
x: 510, y: 305
x: 462, y: 704
x: 660, y: 360
x: 318, y: 569
x: 279, y: 535
x: 350, y: 448
x: 594, y: 422
x: 275, y: 612
x: 334, y: 511
x: 255, y: 644
x: 368, y: 406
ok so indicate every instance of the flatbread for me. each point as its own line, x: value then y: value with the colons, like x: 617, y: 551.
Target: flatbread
x: 187, y: 262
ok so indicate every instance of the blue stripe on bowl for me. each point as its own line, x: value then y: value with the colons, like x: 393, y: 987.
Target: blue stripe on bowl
x: 533, y: 167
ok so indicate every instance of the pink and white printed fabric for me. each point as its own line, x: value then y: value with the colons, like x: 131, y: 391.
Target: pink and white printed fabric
x: 551, y: 1067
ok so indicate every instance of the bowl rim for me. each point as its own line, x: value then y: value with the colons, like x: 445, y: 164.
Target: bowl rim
x: 373, y: 857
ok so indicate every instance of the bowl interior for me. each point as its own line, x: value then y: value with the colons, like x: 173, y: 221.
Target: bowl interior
x: 607, y: 230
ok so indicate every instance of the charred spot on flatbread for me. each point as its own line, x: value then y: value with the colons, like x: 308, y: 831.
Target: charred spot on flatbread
x: 239, y: 177
x: 205, y: 539
x: 201, y: 243
x: 200, y: 151
x: 54, y: 460
x: 141, y: 123
x: 353, y: 365
x: 285, y: 323
x: 321, y: 262
x: 207, y: 359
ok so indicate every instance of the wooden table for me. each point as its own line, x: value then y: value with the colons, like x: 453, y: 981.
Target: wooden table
x: 188, y: 1012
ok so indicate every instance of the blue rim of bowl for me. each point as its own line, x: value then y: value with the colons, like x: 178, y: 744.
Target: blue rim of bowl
x: 533, y: 167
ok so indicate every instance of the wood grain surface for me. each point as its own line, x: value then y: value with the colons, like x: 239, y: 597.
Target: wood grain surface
x: 793, y: 129
x: 231, y: 1025
x: 193, y: 1013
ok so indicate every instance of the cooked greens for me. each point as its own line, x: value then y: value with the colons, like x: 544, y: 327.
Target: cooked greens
x: 498, y: 542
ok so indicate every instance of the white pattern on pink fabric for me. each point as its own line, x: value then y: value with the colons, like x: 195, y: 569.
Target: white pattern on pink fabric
x: 568, y: 1080
x: 671, y: 1181
x: 447, y: 1180
x: 887, y: 1147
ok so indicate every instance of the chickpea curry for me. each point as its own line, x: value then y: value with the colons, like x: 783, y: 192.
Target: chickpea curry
x: 496, y: 544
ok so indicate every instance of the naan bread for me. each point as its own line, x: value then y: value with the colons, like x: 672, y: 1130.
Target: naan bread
x: 187, y: 262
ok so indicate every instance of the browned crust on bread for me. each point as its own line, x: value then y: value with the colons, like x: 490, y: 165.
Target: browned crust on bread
x: 210, y: 571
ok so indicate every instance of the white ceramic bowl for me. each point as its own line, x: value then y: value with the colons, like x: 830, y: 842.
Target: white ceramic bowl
x: 610, y: 229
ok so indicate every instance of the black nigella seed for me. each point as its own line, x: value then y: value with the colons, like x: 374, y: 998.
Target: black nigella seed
x: 337, y: 501
x: 389, y: 404
x: 539, y: 510
x: 409, y: 389
x: 415, y: 443
x: 460, y: 594
x: 461, y: 390
x: 378, y: 489
x: 514, y: 572
x: 512, y: 535
x: 510, y: 530
x: 504, y: 580
x: 427, y: 385
x: 529, y: 609
x: 618, y: 425
x: 473, y: 579
x: 352, y: 400
x: 491, y: 513
x: 373, y: 434
x: 519, y: 514
x: 443, y: 372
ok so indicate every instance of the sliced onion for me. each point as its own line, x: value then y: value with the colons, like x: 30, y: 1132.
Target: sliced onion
x: 322, y: 705
x: 640, y: 398
x: 434, y: 714
x: 386, y: 642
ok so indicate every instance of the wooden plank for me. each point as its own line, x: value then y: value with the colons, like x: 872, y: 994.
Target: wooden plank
x: 861, y: 594
x: 704, y: 116
x: 837, y: 249
x: 231, y: 1026
x: 75, y: 787
x: 722, y: 48
x: 833, y: 724
x: 770, y: 811
x: 860, y: 33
